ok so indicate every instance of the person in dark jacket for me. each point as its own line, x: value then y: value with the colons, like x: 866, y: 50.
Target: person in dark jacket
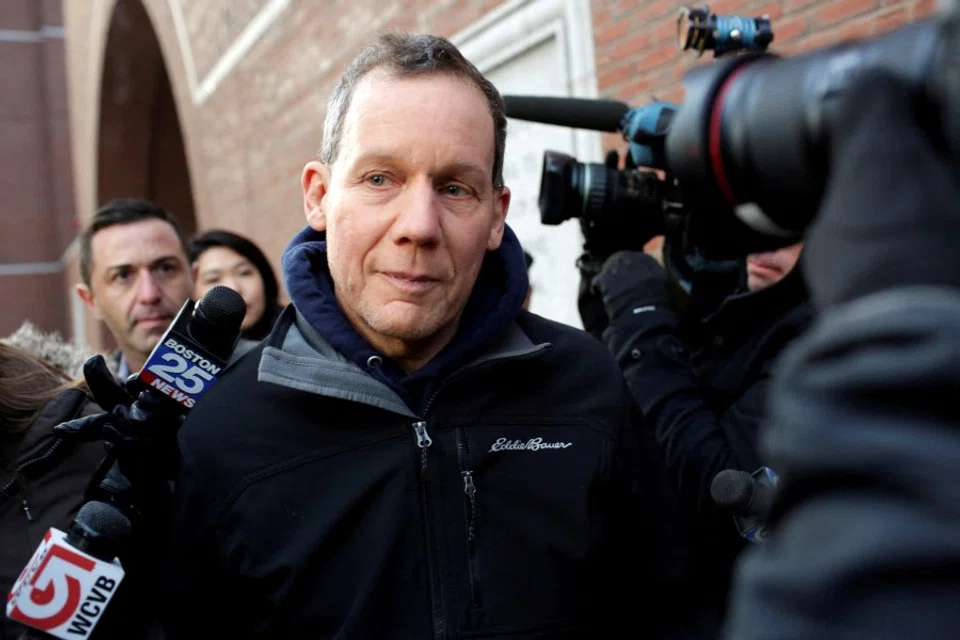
x: 409, y: 454
x: 43, y: 477
x: 702, y: 381
x: 864, y: 426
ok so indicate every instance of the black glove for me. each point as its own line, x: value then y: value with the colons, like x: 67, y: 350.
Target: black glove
x: 891, y: 211
x: 140, y: 439
x: 631, y: 282
x: 126, y: 425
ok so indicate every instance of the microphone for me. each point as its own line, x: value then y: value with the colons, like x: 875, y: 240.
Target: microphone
x: 577, y: 113
x: 194, y: 349
x: 644, y: 128
x: 71, y: 578
x: 748, y: 496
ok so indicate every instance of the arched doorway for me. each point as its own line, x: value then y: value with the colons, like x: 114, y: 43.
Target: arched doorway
x: 140, y: 144
x: 140, y: 150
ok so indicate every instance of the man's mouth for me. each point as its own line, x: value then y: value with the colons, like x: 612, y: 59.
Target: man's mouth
x: 411, y: 282
x: 152, y: 322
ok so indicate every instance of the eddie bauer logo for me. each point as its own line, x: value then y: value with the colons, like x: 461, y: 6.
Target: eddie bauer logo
x: 534, y: 444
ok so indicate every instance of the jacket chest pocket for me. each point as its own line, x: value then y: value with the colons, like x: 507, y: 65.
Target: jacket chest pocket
x: 529, y: 501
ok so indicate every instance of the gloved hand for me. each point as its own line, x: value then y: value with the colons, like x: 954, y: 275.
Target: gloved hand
x: 631, y: 281
x: 126, y: 425
x: 140, y: 439
x: 890, y: 216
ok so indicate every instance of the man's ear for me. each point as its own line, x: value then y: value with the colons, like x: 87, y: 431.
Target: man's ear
x: 85, y: 294
x: 501, y: 202
x: 315, y: 182
x: 195, y: 272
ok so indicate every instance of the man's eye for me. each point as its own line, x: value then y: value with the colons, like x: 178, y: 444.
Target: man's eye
x: 377, y: 180
x: 455, y: 190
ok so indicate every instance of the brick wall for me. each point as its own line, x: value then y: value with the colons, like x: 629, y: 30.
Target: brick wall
x: 36, y: 207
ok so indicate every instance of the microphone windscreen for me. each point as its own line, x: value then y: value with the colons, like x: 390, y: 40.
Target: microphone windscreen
x: 732, y: 489
x: 578, y: 113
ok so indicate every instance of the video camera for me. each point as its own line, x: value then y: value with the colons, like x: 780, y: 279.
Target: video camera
x: 741, y: 165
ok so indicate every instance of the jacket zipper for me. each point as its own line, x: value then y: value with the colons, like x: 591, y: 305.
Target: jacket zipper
x: 424, y: 441
x: 470, y: 505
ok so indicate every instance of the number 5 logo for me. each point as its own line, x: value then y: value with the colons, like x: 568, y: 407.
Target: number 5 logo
x: 186, y: 378
x: 55, y: 589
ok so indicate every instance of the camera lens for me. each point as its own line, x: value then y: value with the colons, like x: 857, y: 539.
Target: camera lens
x: 749, y: 146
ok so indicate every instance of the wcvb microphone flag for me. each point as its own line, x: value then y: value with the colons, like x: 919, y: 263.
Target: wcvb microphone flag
x: 63, y: 591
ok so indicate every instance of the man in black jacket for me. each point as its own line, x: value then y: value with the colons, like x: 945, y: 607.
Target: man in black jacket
x: 409, y: 454
x: 701, y: 379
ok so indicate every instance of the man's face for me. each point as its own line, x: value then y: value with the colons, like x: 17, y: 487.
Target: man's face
x: 409, y: 208
x: 139, y: 279
x: 765, y: 269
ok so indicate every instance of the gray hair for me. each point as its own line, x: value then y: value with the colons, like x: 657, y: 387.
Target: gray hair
x: 402, y: 55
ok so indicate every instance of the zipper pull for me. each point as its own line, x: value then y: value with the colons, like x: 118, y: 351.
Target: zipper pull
x: 468, y: 487
x: 423, y: 438
x: 470, y: 490
x: 423, y: 442
x: 26, y: 511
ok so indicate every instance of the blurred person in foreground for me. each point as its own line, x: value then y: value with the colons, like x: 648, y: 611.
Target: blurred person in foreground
x: 864, y: 427
x: 136, y: 277
x: 409, y: 454
x: 227, y: 258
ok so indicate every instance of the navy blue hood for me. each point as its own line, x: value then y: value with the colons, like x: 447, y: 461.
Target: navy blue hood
x: 496, y: 299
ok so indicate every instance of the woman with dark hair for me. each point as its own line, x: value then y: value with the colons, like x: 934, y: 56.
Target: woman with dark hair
x: 223, y: 257
x: 42, y: 477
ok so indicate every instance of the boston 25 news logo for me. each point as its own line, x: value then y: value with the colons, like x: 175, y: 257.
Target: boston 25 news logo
x: 180, y: 372
x: 61, y: 591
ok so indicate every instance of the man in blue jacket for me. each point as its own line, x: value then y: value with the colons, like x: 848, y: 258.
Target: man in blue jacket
x: 409, y: 454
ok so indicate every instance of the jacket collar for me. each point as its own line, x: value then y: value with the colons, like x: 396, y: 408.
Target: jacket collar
x: 296, y: 356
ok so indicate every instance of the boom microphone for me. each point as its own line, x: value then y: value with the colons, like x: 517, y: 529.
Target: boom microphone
x: 195, y: 348
x: 65, y: 588
x: 578, y: 113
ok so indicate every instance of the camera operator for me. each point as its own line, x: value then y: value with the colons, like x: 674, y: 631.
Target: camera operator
x: 700, y: 378
x: 864, y: 410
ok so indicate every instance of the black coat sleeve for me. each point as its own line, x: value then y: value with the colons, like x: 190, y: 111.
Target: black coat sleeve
x: 697, y: 440
x: 865, y: 435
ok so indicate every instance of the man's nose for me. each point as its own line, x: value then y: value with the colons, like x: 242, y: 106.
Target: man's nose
x: 148, y: 290
x: 418, y: 220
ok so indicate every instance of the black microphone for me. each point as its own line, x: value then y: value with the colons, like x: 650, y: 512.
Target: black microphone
x: 71, y: 578
x: 578, y: 113
x: 748, y: 497
x: 195, y: 348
